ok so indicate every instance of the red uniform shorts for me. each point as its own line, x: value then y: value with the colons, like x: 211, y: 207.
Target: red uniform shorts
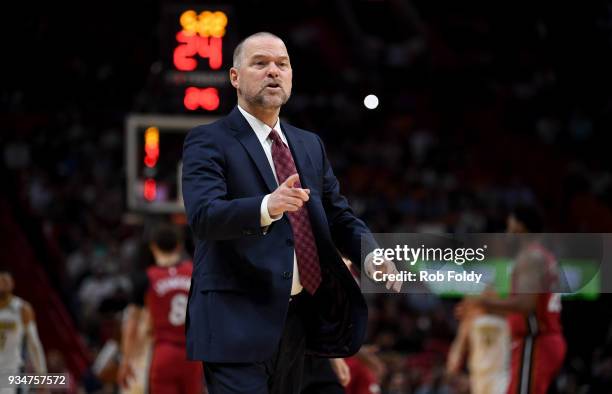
x: 172, y: 373
x: 536, y: 360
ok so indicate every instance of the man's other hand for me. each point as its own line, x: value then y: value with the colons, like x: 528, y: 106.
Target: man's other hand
x: 387, y: 267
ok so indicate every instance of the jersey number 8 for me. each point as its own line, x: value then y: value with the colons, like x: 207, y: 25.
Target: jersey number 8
x: 178, y: 310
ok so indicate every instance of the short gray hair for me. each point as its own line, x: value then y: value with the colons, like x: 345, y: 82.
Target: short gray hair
x: 237, y: 57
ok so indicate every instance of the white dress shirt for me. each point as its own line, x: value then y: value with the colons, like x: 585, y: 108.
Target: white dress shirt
x: 262, y: 131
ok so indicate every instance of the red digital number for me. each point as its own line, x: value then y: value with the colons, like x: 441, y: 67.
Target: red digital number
x: 206, y: 47
x: 207, y: 98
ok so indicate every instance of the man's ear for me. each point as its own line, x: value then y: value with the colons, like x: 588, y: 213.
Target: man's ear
x: 233, y: 74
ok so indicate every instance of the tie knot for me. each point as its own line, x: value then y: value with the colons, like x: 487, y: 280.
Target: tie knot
x: 274, y: 136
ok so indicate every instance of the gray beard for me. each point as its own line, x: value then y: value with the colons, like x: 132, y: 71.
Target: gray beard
x: 259, y: 100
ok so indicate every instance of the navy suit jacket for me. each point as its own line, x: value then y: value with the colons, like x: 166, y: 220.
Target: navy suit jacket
x: 242, y: 275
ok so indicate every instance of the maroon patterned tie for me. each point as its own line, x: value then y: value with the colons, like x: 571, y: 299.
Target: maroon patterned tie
x: 305, y: 247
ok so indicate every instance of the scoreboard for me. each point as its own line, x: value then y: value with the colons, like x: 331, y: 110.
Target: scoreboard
x: 196, y: 51
x: 191, y: 88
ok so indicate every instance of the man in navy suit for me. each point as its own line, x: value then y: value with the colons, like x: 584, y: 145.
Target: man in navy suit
x: 269, y: 222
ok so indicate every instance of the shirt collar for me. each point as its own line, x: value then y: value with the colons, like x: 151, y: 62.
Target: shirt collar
x: 261, y: 129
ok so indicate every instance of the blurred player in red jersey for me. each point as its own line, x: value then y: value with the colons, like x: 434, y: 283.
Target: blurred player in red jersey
x: 163, y: 290
x: 533, y: 310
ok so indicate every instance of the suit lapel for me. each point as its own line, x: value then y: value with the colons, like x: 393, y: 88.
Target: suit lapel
x: 247, y: 137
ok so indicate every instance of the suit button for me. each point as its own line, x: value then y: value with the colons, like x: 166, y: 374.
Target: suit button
x: 247, y: 232
x: 287, y: 275
x: 289, y: 242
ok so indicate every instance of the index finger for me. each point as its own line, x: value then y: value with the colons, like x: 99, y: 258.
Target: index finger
x: 299, y: 193
x: 290, y: 181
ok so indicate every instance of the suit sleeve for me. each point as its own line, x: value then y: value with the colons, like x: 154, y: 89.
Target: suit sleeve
x: 212, y: 215
x: 347, y: 230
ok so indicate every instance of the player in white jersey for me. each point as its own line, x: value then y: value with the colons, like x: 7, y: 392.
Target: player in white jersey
x: 486, y: 340
x: 17, y: 325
